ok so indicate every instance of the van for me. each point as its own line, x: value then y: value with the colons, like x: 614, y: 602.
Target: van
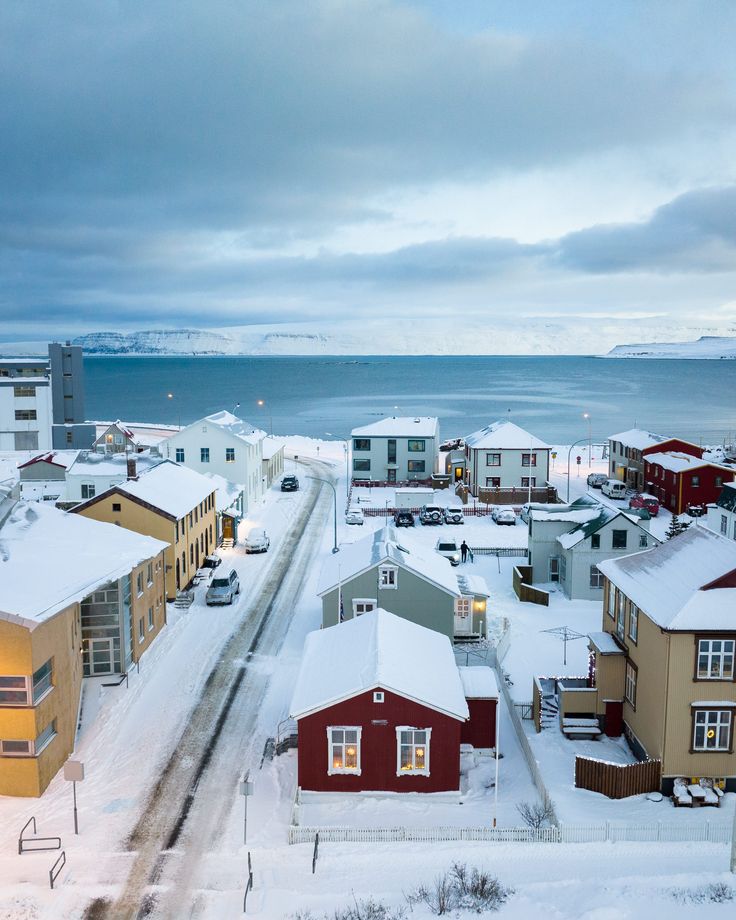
x: 614, y: 488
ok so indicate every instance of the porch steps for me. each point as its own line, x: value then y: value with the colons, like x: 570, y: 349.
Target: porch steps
x: 549, y: 711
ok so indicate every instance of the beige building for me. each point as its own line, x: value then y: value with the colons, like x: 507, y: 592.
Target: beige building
x: 77, y: 598
x: 664, y: 662
x: 168, y: 502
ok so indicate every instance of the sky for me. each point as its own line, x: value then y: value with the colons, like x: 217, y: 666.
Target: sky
x: 174, y: 163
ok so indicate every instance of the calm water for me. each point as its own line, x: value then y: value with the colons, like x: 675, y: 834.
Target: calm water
x: 327, y: 396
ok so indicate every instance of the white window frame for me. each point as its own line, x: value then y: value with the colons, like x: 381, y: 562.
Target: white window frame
x: 6, y: 753
x: 343, y: 771
x: 525, y: 482
x: 229, y: 450
x: 364, y: 602
x: 490, y: 483
x: 630, y: 682
x: 723, y: 719
x: 529, y: 459
x: 378, y: 696
x: 151, y: 622
x: 424, y: 771
x: 26, y: 688
x: 716, y: 657
x: 597, y: 578
x: 633, y: 623
x: 177, y: 452
x: 388, y: 577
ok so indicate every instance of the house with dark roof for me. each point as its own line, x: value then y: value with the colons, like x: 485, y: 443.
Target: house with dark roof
x: 567, y: 542
x: 627, y: 450
x: 722, y: 515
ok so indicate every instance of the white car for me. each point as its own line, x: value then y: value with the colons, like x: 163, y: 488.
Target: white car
x: 257, y: 541
x: 506, y: 516
x: 449, y: 549
x: 454, y: 516
x: 354, y: 515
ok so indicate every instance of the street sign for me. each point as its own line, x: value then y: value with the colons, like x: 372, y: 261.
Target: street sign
x: 74, y: 773
x: 578, y: 460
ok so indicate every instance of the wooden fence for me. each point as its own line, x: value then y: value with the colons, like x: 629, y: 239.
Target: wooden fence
x: 617, y: 781
x: 525, y: 591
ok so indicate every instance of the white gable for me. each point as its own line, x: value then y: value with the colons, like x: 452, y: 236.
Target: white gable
x: 504, y: 436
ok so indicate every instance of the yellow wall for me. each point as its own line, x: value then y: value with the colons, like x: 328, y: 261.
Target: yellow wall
x: 22, y: 651
x: 153, y: 596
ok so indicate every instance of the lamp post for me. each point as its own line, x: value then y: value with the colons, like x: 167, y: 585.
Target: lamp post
x: 178, y: 408
x: 346, y: 448
x: 335, y: 547
x: 262, y: 404
x: 586, y: 415
x: 569, y: 452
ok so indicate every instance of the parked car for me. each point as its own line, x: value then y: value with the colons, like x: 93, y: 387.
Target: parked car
x: 403, y: 518
x: 211, y: 562
x: 696, y: 510
x: 257, y: 541
x: 289, y: 484
x: 596, y: 480
x: 354, y: 515
x: 431, y: 514
x: 641, y: 500
x: 506, y: 516
x: 222, y: 589
x: 449, y: 549
x: 614, y: 488
x: 454, y: 516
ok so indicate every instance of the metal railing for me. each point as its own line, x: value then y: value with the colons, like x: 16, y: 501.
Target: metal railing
x: 248, y: 884
x: 23, y: 842
x: 315, y: 854
x: 56, y: 868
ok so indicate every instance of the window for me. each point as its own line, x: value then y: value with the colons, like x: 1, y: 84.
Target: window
x: 527, y: 481
x: 388, y: 577
x: 724, y: 524
x: 179, y: 455
x: 634, y: 623
x: 642, y: 541
x: 712, y: 729
x: 378, y: 696
x: 415, y: 466
x: 361, y: 466
x: 24, y: 390
x: 149, y: 573
x: 718, y: 482
x: 596, y: 577
x: 141, y: 630
x: 620, y: 615
x: 618, y: 540
x: 45, y: 738
x: 412, y: 751
x: 361, y: 443
x: 715, y: 659
x: 391, y: 450
x: 88, y: 490
x: 595, y: 541
x: 630, y: 686
x: 563, y: 568
x: 139, y: 583
x: 611, y: 601
x: 14, y: 691
x: 528, y: 459
x: 204, y: 455
x: 493, y: 482
x: 16, y: 748
x: 493, y: 459
x: 694, y: 481
x: 414, y: 446
x: 229, y: 455
x: 25, y: 415
x: 150, y: 619
x: 363, y: 605
x: 343, y: 749
x: 69, y: 437
x: 42, y: 681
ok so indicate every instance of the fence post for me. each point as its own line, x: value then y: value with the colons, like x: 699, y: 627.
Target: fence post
x: 608, y: 831
x: 659, y: 831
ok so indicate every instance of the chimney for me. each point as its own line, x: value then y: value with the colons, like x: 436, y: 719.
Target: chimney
x: 132, y: 468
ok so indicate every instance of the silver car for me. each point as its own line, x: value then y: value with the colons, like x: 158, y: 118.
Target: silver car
x: 222, y: 589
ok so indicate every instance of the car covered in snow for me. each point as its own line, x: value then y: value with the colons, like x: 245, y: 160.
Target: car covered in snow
x: 596, y: 480
x: 431, y: 514
x: 642, y: 500
x: 211, y: 561
x: 505, y: 516
x: 449, y: 549
x: 454, y: 516
x: 222, y: 589
x: 354, y: 515
x: 257, y: 541
x: 403, y: 518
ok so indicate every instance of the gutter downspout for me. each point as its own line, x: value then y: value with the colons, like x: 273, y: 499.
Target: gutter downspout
x: 666, y: 699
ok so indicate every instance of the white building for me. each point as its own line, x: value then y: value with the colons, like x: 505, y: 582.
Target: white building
x: 722, y: 516
x: 26, y: 411
x: 225, y: 445
x: 92, y: 472
x: 396, y: 450
x: 43, y: 477
x: 505, y: 456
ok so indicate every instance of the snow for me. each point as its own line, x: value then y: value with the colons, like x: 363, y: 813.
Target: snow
x: 479, y: 683
x: 61, y: 458
x: 707, y: 346
x: 400, y: 427
x: 378, y: 649
x: 504, y: 436
x: 94, y: 463
x: 637, y: 438
x: 605, y: 643
x: 227, y: 492
x: 234, y: 426
x: 270, y: 447
x: 677, y: 462
x: 567, y: 516
x: 473, y: 584
x: 173, y: 489
x: 50, y: 559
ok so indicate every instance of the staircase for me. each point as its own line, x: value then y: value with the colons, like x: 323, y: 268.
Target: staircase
x: 227, y: 544
x: 549, y: 713
x: 287, y: 736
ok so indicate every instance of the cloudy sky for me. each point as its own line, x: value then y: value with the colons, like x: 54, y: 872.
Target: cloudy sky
x: 169, y: 163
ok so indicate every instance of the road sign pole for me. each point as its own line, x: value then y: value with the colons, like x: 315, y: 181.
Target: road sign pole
x: 74, y: 792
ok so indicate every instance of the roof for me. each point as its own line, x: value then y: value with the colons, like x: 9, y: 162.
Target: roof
x: 676, y: 461
x: 49, y: 558
x: 604, y: 643
x: 727, y: 498
x: 479, y: 683
x: 378, y: 649
x: 235, y: 426
x: 383, y: 546
x: 60, y: 458
x: 603, y: 516
x: 228, y: 492
x: 638, y: 438
x: 92, y: 463
x: 424, y: 426
x: 123, y: 428
x: 504, y: 435
x: 473, y: 584
x: 271, y: 447
x: 669, y: 582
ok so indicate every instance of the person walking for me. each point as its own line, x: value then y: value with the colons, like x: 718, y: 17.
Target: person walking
x: 464, y: 551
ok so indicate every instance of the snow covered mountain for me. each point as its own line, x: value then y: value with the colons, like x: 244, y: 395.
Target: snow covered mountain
x: 707, y: 346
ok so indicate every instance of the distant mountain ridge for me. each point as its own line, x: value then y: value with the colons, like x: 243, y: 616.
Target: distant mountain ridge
x: 707, y: 346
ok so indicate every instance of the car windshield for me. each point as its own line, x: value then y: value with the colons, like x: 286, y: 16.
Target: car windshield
x: 448, y: 546
x: 220, y: 582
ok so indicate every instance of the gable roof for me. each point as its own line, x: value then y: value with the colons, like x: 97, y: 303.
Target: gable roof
x: 504, y: 435
x: 234, y: 426
x: 379, y: 547
x: 378, y: 649
x: 604, y: 516
x: 61, y: 458
x: 122, y: 428
x: 94, y: 463
x: 670, y: 582
x: 638, y: 438
x: 410, y: 426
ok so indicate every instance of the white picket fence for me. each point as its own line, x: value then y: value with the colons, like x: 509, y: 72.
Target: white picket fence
x: 608, y: 831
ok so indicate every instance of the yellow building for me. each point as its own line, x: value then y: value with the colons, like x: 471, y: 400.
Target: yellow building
x: 76, y: 598
x: 168, y: 502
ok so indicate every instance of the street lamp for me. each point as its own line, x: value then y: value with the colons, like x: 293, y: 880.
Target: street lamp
x: 346, y: 448
x: 262, y: 404
x: 586, y: 415
x: 579, y: 441
x: 178, y: 408
x: 335, y: 547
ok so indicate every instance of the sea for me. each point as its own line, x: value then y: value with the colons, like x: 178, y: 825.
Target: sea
x: 559, y: 399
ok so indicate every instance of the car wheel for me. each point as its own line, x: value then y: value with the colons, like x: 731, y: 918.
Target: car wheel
x: 434, y: 516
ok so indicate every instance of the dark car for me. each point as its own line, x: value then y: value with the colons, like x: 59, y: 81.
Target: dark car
x: 403, y: 518
x: 289, y: 484
x: 211, y: 562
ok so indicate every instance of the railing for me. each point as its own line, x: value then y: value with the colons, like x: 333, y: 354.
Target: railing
x: 56, y: 868
x: 315, y: 854
x: 23, y: 842
x: 525, y: 711
x: 248, y: 884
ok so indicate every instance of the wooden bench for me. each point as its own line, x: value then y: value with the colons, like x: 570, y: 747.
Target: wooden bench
x: 581, y: 728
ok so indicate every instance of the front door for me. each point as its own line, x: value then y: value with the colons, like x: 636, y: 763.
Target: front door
x: 100, y: 656
x: 227, y: 527
x: 463, y: 616
x: 614, y: 718
x: 459, y: 474
x: 554, y: 568
x: 392, y: 475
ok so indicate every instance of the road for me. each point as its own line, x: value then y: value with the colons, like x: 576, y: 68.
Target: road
x: 191, y: 801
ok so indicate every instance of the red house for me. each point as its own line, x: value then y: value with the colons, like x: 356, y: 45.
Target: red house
x: 380, y: 706
x: 679, y: 479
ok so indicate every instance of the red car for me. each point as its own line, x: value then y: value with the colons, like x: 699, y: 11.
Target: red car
x: 645, y: 501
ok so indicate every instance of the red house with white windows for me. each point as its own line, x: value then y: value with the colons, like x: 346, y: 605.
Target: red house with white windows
x: 680, y: 480
x: 381, y: 706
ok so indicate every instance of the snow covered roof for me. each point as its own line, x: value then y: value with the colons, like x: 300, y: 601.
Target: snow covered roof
x: 383, y: 546
x: 479, y: 683
x: 504, y: 435
x: 400, y: 426
x: 473, y: 584
x: 270, y: 447
x: 93, y: 463
x: 227, y: 492
x: 604, y: 643
x: 605, y: 515
x: 60, y: 458
x: 378, y: 649
x: 669, y: 582
x: 567, y: 515
x: 122, y: 428
x: 234, y: 426
x: 676, y: 461
x: 49, y: 558
x: 638, y: 438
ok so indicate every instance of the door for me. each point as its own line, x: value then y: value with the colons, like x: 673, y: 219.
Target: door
x: 227, y: 527
x: 459, y: 474
x: 614, y: 718
x: 100, y: 656
x: 463, y: 617
x: 392, y: 475
x: 554, y: 568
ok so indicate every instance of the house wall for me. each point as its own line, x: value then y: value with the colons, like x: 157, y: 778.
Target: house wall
x: 153, y: 597
x: 480, y: 729
x: 543, y: 546
x: 610, y: 671
x: 582, y: 556
x: 379, y: 747
x: 510, y: 471
x: 378, y: 454
x: 628, y: 463
x: 23, y: 651
x: 414, y: 599
x: 721, y: 520
x: 675, y: 491
x: 30, y: 434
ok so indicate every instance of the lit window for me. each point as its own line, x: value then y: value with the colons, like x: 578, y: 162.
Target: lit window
x: 412, y: 749
x: 715, y: 659
x: 343, y: 749
x: 415, y: 466
x: 388, y: 577
x: 712, y: 730
x: 415, y: 446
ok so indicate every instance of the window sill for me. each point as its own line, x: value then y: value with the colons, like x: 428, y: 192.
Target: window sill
x: 387, y: 587
x: 343, y: 772
x: 412, y: 772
